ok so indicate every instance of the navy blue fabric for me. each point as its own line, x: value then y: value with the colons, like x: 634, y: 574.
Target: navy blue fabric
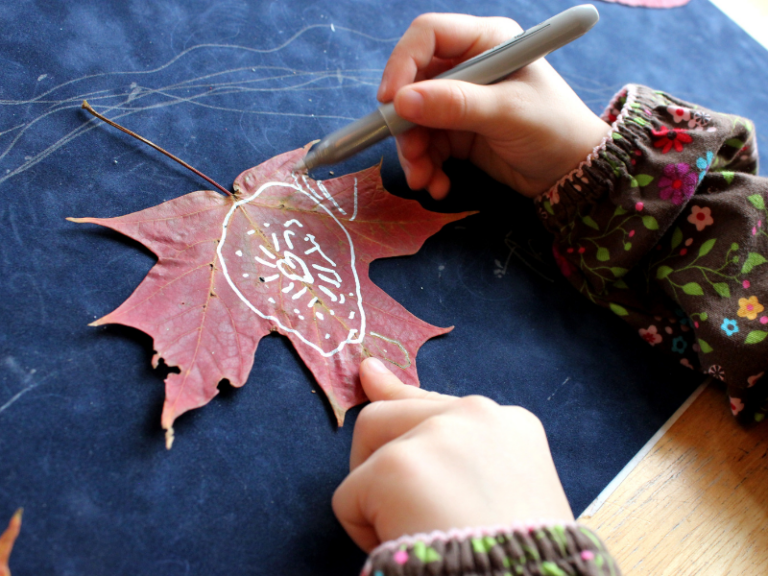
x: 226, y: 85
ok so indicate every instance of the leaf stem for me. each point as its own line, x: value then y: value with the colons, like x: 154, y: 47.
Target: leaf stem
x: 155, y: 146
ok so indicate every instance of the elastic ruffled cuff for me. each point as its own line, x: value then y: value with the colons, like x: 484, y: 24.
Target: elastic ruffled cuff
x: 546, y: 548
x: 629, y: 115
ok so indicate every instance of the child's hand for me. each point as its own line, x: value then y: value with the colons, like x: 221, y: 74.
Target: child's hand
x: 422, y: 461
x: 527, y: 131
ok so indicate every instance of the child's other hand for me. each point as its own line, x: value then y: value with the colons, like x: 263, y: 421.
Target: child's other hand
x: 527, y: 131
x: 422, y: 461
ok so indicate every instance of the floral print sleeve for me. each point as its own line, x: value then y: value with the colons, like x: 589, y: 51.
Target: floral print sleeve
x: 665, y: 224
x: 544, y: 549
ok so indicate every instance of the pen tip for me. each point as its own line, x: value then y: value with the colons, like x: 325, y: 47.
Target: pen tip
x: 300, y: 166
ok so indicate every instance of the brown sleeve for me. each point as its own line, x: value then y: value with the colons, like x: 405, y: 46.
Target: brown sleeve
x: 546, y: 549
x: 666, y: 225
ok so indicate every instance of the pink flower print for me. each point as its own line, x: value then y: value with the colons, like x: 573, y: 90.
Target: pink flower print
x: 401, y: 557
x: 736, y: 405
x: 639, y: 206
x: 749, y: 308
x: 752, y: 380
x: 668, y: 139
x: 563, y: 264
x: 701, y: 217
x: 763, y: 319
x: 746, y: 284
x: 587, y: 555
x: 631, y: 233
x: 678, y: 183
x: 650, y: 335
x: 679, y: 114
x: 694, y: 118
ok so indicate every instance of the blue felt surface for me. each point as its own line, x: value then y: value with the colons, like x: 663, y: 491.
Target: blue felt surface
x: 247, y: 486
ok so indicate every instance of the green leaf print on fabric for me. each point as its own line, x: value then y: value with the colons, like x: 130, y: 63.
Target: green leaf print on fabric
x: 706, y: 248
x: 618, y: 310
x: 603, y: 255
x: 643, y: 179
x: 693, y: 289
x: 756, y: 336
x: 735, y: 143
x: 551, y: 569
x: 650, y: 223
x: 589, y: 221
x: 483, y: 545
x: 704, y: 347
x: 677, y: 238
x: 663, y: 272
x: 716, y: 277
x: 753, y: 259
x: 722, y: 289
x: 757, y: 201
x: 728, y: 176
x: 425, y: 553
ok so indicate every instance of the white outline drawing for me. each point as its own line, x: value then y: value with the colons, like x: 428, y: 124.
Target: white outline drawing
x: 349, y: 339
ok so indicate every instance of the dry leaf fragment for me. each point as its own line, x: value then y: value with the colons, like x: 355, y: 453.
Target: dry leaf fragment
x: 7, y: 540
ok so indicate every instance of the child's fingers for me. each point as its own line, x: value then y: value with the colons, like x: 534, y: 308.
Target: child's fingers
x: 382, y: 422
x: 439, y: 185
x: 346, y: 504
x: 445, y: 36
x: 413, y: 143
x: 379, y: 383
x: 453, y: 105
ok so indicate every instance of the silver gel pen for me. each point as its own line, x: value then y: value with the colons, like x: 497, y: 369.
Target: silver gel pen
x: 486, y: 68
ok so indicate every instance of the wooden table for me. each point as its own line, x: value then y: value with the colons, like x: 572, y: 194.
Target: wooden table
x: 697, y: 503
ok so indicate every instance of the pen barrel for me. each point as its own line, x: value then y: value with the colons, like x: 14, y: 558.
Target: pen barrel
x: 349, y: 140
x: 486, y: 68
x: 527, y: 47
x: 502, y: 60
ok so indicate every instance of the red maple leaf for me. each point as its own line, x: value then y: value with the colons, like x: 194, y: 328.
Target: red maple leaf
x: 288, y: 254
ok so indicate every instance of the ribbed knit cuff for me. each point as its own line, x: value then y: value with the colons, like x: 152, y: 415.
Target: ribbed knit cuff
x: 543, y: 549
x: 629, y: 115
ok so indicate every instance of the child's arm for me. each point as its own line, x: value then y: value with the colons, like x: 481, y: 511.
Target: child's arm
x: 665, y: 224
x: 423, y: 462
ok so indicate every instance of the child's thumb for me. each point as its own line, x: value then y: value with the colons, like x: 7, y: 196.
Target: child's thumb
x: 449, y: 105
x: 379, y: 383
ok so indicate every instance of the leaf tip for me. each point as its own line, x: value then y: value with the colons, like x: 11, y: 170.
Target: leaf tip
x: 100, y: 322
x: 169, y: 437
x: 7, y: 540
x: 340, y: 413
